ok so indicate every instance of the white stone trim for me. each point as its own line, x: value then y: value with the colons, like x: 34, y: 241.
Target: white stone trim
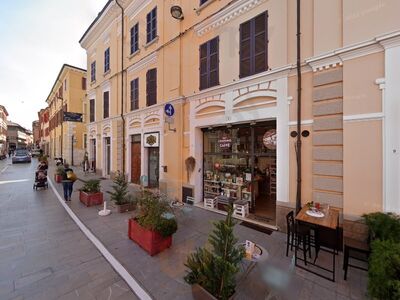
x: 364, y: 117
x: 142, y: 64
x: 226, y: 15
x: 135, y: 8
x: 303, y: 122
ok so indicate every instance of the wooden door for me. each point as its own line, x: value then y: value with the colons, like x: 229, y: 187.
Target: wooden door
x: 135, y: 162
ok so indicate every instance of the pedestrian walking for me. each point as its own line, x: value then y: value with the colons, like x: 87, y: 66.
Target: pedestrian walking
x: 86, y: 163
x: 68, y: 180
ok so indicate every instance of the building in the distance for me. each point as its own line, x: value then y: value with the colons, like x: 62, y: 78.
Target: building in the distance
x: 36, y: 133
x: 18, y: 137
x: 44, y: 134
x: 3, y: 131
x: 67, y: 138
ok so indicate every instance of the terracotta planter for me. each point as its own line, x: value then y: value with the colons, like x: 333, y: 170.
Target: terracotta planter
x: 152, y: 242
x: 57, y: 178
x: 125, y: 207
x: 90, y: 199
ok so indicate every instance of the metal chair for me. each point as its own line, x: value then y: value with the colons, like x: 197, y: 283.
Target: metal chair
x: 357, y: 250
x: 297, y: 234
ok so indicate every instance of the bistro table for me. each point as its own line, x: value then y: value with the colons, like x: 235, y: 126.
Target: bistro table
x: 326, y: 226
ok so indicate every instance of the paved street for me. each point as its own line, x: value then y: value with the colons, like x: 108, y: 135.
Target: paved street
x: 43, y: 254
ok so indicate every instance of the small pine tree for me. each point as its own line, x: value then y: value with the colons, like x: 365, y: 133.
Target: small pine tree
x: 215, y: 270
x: 120, y: 187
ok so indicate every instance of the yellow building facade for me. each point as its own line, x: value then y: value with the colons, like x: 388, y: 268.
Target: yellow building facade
x: 67, y: 139
x: 228, y: 68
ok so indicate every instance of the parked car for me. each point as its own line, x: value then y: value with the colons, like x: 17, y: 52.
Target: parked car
x: 21, y: 155
x: 35, y: 153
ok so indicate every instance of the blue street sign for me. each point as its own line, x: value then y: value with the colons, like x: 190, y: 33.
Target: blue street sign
x: 169, y: 109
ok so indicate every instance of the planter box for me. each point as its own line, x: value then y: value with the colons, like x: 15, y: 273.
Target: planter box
x: 125, y: 207
x: 152, y: 242
x: 200, y: 293
x: 91, y: 199
x: 57, y: 178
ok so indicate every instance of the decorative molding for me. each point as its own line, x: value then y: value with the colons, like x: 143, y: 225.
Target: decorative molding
x: 106, y: 85
x: 359, y: 51
x: 389, y: 40
x: 364, y: 117
x: 136, y: 7
x: 144, y: 63
x: 226, y: 15
x: 304, y: 122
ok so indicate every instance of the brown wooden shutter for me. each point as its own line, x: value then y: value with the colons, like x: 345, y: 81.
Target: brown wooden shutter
x: 151, y: 87
x: 83, y: 83
x: 214, y: 62
x: 203, y: 66
x: 106, y: 105
x: 260, y: 43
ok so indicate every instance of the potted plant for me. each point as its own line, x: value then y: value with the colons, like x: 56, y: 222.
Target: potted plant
x: 58, y: 176
x: 90, y: 193
x: 154, y: 224
x: 384, y: 260
x: 212, y: 272
x: 120, y: 195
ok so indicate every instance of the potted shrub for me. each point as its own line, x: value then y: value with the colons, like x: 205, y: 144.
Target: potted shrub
x: 384, y: 260
x: 212, y: 273
x: 154, y: 224
x: 58, y: 176
x: 90, y: 193
x: 122, y: 199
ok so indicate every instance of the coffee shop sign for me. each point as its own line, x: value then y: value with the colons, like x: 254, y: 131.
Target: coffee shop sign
x: 225, y: 142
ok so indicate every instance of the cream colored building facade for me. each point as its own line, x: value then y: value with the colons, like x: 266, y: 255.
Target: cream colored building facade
x: 350, y: 158
x: 67, y: 139
x: 3, y: 131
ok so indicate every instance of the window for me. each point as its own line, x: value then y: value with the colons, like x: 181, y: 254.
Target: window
x: 107, y: 60
x: 83, y: 83
x: 85, y: 141
x: 91, y: 111
x: 135, y: 38
x: 93, y: 71
x: 254, y: 45
x: 152, y: 25
x: 151, y: 87
x: 209, y: 64
x: 135, y: 94
x: 60, y: 91
x: 65, y: 84
x: 106, y: 105
x: 202, y: 2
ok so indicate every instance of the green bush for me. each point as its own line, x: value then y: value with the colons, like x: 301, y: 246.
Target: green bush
x: 383, y: 226
x: 384, y: 270
x: 154, y: 213
x: 91, y: 186
x: 120, y: 189
x: 215, y: 270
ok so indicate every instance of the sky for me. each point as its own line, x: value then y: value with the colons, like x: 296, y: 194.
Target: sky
x: 37, y: 38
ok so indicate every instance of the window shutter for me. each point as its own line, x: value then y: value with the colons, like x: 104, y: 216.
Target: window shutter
x: 151, y: 90
x: 260, y: 43
x: 135, y: 94
x: 83, y: 83
x: 203, y: 66
x: 245, y: 49
x: 214, y: 62
x: 106, y: 105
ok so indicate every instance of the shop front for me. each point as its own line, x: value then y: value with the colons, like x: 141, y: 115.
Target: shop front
x: 239, y: 166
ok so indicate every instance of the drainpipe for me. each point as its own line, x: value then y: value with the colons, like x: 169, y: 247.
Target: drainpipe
x: 122, y: 85
x: 298, y: 142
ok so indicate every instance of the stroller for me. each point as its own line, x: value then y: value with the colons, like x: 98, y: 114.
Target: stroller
x: 41, y: 177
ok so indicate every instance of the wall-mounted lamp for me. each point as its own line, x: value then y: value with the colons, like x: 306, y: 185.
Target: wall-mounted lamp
x: 176, y: 12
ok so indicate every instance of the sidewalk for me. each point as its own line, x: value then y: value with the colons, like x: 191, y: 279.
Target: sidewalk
x: 162, y: 275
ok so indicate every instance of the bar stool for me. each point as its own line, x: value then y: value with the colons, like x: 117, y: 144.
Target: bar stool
x: 241, y: 208
x: 297, y: 234
x: 357, y: 250
x: 210, y: 202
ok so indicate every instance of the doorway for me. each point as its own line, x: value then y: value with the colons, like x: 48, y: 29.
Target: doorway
x: 136, y: 158
x: 93, y: 154
x: 107, y: 149
x: 154, y: 166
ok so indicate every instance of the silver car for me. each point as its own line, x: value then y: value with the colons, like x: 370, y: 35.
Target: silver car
x: 21, y: 155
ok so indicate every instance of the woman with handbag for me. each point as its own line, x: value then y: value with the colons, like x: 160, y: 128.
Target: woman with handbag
x: 69, y: 178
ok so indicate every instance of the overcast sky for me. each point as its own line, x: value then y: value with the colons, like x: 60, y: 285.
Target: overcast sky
x: 37, y: 38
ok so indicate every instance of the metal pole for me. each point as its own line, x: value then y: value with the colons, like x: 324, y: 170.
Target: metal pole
x: 72, y: 150
x: 298, y: 142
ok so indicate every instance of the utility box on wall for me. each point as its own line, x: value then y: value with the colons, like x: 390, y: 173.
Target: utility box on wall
x: 187, y: 194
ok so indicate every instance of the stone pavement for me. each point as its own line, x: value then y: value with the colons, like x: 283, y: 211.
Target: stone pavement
x: 43, y: 254
x: 162, y: 275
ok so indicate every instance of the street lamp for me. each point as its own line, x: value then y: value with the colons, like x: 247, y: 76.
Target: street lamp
x: 176, y: 12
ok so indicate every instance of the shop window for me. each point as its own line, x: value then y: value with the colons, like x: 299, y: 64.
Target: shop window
x: 254, y: 45
x: 135, y: 38
x: 209, y: 64
x: 151, y: 25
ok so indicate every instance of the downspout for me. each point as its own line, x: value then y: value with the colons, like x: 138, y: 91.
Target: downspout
x: 298, y: 142
x: 122, y: 85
